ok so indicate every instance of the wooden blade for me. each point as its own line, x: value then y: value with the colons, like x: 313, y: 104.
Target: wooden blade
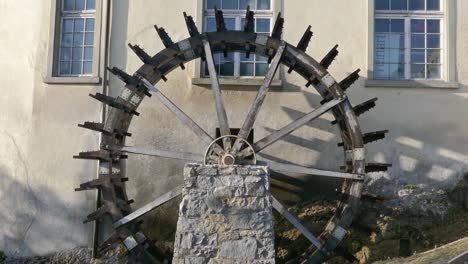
x: 149, y: 207
x: 220, y: 109
x: 159, y: 153
x: 296, y: 223
x: 273, y: 137
x: 255, y: 108
x: 311, y: 171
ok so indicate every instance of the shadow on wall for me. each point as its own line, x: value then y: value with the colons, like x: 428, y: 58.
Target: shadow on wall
x: 423, y: 143
x: 34, y: 219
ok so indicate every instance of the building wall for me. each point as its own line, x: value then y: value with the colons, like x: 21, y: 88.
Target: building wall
x: 40, y: 212
x: 426, y: 143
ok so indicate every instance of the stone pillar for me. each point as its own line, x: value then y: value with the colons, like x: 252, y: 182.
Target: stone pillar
x: 225, y: 216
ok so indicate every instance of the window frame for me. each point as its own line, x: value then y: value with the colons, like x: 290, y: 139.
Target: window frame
x: 447, y: 46
x: 198, y: 76
x: 52, y: 76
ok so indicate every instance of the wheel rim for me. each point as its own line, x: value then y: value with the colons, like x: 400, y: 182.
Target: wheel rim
x: 157, y: 67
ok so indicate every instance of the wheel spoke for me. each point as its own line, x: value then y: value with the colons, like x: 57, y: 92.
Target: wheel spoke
x: 159, y: 153
x: 220, y: 109
x: 311, y: 171
x: 185, y: 119
x: 255, y: 108
x: 296, y: 223
x: 149, y: 207
x: 273, y: 137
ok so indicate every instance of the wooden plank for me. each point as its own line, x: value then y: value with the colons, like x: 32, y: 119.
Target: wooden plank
x: 273, y: 137
x: 185, y: 119
x: 159, y: 153
x: 296, y: 223
x: 149, y: 207
x: 220, y: 109
x: 311, y: 171
x: 259, y: 99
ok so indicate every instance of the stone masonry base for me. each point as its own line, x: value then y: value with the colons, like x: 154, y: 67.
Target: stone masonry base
x: 225, y: 216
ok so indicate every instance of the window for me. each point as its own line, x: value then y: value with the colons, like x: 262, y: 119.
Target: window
x: 74, y: 41
x: 77, y: 38
x: 408, y: 40
x: 236, y: 64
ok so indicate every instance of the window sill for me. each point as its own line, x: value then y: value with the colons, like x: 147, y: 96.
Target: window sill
x: 237, y: 81
x: 411, y: 84
x: 73, y: 80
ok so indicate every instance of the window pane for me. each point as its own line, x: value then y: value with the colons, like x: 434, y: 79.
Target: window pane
x: 433, y: 72
x: 65, y: 54
x: 77, y: 39
x: 77, y: 54
x: 417, y: 26
x: 260, y: 58
x: 397, y: 71
x: 230, y: 23
x: 67, y: 39
x: 417, y: 71
x: 382, y: 25
x: 68, y: 5
x: 394, y: 41
x: 433, y: 5
x: 433, y: 26
x: 262, y: 25
x: 416, y: 4
x: 88, y: 53
x: 229, y: 57
x: 91, y: 4
x: 230, y: 4
x: 243, y: 57
x: 390, y: 56
x: 381, y: 71
x: 87, y: 67
x: 246, y: 69
x: 433, y: 56
x: 244, y: 3
x: 382, y: 4
x: 76, y: 68
x: 417, y: 56
x: 261, y: 69
x: 64, y: 68
x: 68, y: 25
x: 397, y: 25
x: 263, y: 5
x: 210, y: 24
x: 417, y: 41
x: 399, y: 5
x: 79, y: 4
x: 433, y: 41
x: 90, y: 24
x: 89, y: 39
x: 79, y: 24
x: 210, y: 4
x: 227, y: 69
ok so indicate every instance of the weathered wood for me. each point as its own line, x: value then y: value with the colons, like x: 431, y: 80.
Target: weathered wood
x: 185, y: 119
x: 220, y: 109
x: 296, y: 223
x: 255, y: 108
x: 273, y: 137
x: 311, y: 171
x: 159, y: 153
x: 149, y: 207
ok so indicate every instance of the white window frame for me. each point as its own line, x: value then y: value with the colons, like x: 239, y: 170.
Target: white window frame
x: 447, y: 9
x: 238, y: 15
x: 52, y: 75
x: 198, y: 76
